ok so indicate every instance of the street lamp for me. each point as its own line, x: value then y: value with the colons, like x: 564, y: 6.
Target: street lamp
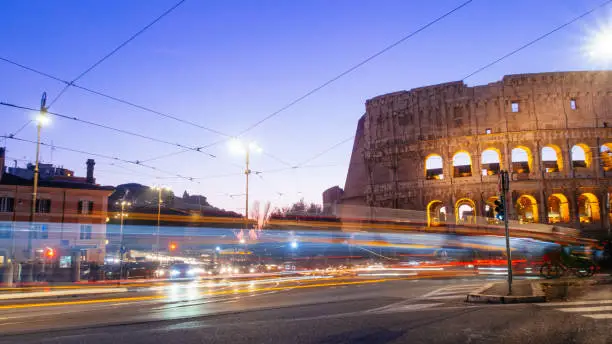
x: 159, y: 189
x: 245, y: 148
x: 41, y: 120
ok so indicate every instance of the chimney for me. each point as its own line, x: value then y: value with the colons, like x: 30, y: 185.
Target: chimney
x: 1, y: 162
x: 90, y: 169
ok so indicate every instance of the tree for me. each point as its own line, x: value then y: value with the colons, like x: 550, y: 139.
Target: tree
x: 185, y: 194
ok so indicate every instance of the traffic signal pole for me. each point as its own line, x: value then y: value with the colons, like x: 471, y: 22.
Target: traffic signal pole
x: 505, y: 186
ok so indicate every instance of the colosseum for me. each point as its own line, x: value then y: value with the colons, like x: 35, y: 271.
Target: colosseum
x: 439, y: 149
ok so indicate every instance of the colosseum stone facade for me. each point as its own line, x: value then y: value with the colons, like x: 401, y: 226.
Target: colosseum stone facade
x: 440, y: 148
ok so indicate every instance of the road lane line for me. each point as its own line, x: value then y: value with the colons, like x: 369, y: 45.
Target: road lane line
x: 82, y: 302
x: 599, y: 316
x: 575, y: 303
x: 585, y: 309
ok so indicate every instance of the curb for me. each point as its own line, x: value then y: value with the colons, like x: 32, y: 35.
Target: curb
x: 38, y: 294
x: 537, y: 295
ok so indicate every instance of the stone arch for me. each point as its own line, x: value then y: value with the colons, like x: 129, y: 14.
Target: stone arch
x: 558, y: 208
x: 436, y: 213
x: 465, y: 211
x: 527, y: 209
x: 434, y: 166
x: 552, y: 158
x: 462, y: 164
x: 490, y: 160
x: 489, y: 209
x: 605, y: 154
x: 581, y: 156
x: 522, y: 159
x: 588, y: 208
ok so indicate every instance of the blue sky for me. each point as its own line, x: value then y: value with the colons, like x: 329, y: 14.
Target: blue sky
x: 227, y: 64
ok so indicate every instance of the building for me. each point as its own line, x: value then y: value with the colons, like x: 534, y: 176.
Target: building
x: 70, y: 215
x: 439, y: 149
x: 331, y: 198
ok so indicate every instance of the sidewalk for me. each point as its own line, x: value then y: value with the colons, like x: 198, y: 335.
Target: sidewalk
x: 57, y: 293
x: 523, y: 291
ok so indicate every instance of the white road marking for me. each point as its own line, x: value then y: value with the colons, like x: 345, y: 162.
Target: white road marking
x: 585, y: 309
x: 575, y: 303
x: 599, y: 316
x: 406, y: 307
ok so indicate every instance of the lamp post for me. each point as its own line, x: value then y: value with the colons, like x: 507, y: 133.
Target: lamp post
x: 240, y: 147
x: 122, y: 215
x: 159, y: 189
x: 41, y: 120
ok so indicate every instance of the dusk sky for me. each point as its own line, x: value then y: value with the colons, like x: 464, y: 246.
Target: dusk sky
x: 228, y: 64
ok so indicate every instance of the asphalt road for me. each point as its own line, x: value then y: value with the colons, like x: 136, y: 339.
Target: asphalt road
x: 324, y: 311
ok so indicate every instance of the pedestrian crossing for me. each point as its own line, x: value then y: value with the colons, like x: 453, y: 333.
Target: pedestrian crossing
x: 594, y: 309
x: 451, y: 292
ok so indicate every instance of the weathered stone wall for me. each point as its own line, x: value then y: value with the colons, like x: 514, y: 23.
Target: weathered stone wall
x: 400, y: 130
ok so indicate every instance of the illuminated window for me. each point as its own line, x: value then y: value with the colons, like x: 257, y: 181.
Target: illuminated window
x: 580, y: 156
x: 462, y: 165
x: 605, y: 154
x: 488, y: 131
x: 588, y: 208
x: 573, y: 104
x: 551, y: 159
x: 527, y: 209
x: 490, y: 161
x: 521, y: 160
x: 433, y: 167
x: 515, y: 107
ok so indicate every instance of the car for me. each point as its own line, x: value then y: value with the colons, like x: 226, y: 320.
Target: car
x: 182, y: 270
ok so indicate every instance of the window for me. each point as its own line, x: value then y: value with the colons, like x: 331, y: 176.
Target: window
x: 490, y: 162
x: 573, y: 104
x: 515, y: 106
x: 462, y: 165
x: 433, y: 167
x: 85, y: 232
x: 7, y: 204
x: 43, y: 205
x: 551, y: 159
x: 580, y: 156
x: 521, y: 160
x: 85, y: 207
x: 6, y: 230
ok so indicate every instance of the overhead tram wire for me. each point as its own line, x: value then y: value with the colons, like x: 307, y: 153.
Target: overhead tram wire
x: 539, y: 38
x: 105, y: 57
x: 104, y: 156
x: 353, y: 68
x: 123, y: 131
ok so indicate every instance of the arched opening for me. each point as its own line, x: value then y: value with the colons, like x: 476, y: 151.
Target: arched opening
x: 527, y: 209
x: 521, y: 160
x: 436, y: 213
x: 465, y: 211
x: 462, y: 165
x: 489, y: 210
x: 558, y: 208
x: 434, y: 167
x: 605, y: 153
x: 581, y: 156
x: 552, y: 159
x: 588, y: 208
x: 490, y: 162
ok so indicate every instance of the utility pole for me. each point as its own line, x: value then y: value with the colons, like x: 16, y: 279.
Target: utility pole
x: 121, y: 248
x: 505, y: 186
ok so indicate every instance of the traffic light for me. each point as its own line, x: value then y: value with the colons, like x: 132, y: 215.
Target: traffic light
x: 499, y: 210
x: 173, y: 246
x: 49, y: 253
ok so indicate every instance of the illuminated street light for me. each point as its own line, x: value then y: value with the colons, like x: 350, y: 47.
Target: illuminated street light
x: 159, y: 189
x: 245, y: 148
x: 242, y: 241
x: 294, y: 244
x: 218, y: 248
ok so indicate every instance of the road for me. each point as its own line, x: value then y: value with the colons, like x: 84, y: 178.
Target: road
x: 332, y: 310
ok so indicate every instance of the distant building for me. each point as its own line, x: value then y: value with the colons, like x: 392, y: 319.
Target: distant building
x: 331, y: 198
x: 70, y: 214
